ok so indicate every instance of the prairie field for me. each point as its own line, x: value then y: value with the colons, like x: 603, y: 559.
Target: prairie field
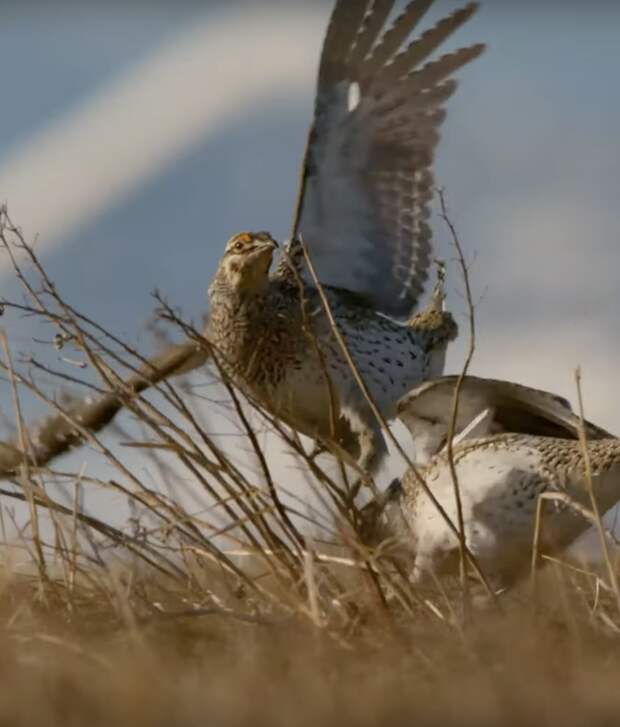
x: 170, y: 552
x: 121, y: 644
x: 192, y: 585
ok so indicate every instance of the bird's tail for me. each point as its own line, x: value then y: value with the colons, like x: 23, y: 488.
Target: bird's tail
x: 438, y: 296
x: 434, y: 320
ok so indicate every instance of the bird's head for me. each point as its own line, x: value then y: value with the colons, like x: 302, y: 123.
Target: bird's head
x: 246, y: 261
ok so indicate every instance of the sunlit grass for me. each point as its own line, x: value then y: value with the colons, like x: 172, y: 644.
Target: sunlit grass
x: 238, y: 604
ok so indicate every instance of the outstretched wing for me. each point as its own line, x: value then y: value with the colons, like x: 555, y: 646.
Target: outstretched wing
x: 367, y: 183
x: 513, y: 408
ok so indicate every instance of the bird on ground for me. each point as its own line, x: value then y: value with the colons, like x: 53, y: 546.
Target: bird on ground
x: 513, y: 443
x: 362, y: 214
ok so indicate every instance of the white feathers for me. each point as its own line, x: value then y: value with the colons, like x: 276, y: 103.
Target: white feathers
x: 355, y: 96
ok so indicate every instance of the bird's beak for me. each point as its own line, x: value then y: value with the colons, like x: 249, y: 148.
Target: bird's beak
x: 263, y: 250
x: 263, y: 247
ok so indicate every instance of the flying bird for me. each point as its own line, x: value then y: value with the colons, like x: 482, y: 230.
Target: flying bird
x: 362, y: 214
x: 513, y: 443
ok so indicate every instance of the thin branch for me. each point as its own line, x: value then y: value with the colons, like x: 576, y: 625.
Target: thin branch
x: 456, y: 399
x: 381, y: 419
x: 598, y: 521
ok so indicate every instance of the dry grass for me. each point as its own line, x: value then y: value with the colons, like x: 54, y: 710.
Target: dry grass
x: 109, y: 657
x: 227, y: 612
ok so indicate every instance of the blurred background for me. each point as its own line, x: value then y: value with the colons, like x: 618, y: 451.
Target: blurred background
x: 136, y: 137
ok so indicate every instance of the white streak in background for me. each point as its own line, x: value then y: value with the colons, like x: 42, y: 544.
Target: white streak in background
x: 85, y: 161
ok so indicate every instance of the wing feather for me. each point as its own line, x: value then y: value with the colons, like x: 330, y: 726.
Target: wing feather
x: 395, y: 36
x: 369, y: 32
x: 419, y: 50
x: 367, y: 180
x: 345, y: 21
x: 515, y: 408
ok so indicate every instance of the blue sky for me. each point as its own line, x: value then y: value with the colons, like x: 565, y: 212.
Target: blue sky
x: 530, y: 159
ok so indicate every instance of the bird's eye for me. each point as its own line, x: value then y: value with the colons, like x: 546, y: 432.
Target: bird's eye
x: 238, y: 246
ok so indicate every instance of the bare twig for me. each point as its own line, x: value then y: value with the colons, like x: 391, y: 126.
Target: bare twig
x: 381, y: 419
x: 24, y: 470
x: 456, y: 398
x: 598, y: 521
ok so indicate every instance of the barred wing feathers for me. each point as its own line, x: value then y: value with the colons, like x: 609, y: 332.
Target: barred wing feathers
x: 367, y: 181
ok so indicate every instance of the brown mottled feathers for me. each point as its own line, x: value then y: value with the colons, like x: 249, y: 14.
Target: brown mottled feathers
x: 367, y: 178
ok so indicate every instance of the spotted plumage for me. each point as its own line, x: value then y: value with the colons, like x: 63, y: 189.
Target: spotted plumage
x: 363, y: 209
x: 276, y: 342
x: 500, y: 477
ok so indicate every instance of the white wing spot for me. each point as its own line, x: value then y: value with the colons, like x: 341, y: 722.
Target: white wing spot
x: 355, y: 96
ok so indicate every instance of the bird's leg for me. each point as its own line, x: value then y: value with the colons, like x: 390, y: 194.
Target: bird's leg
x: 371, y: 444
